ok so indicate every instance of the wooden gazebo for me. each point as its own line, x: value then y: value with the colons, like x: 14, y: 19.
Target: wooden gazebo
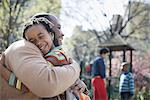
x: 116, y: 43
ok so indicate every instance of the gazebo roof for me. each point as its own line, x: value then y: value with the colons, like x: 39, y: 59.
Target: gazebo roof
x: 116, y: 43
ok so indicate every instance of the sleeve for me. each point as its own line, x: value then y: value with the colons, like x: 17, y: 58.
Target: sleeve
x: 131, y: 84
x: 102, y: 68
x: 32, y: 69
x: 95, y: 68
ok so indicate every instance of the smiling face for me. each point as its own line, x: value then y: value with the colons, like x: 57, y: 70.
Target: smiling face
x: 58, y: 35
x: 39, y: 36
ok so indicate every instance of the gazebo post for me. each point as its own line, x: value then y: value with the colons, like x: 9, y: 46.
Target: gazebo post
x: 131, y: 60
x: 124, y: 55
x: 109, y: 82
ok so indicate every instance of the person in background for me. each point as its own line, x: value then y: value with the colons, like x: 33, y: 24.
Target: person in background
x: 126, y: 85
x: 99, y: 75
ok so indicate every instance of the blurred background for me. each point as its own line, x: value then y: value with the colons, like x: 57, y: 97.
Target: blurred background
x: 121, y: 25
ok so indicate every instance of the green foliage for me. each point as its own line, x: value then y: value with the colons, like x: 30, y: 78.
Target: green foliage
x: 49, y: 6
x: 14, y: 13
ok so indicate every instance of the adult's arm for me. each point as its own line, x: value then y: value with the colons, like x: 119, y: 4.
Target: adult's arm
x: 28, y: 64
x: 5, y: 73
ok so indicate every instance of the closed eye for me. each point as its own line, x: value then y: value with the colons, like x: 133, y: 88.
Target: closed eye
x: 32, y: 41
x: 41, y: 35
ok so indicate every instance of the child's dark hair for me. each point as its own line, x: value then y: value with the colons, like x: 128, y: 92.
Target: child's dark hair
x: 45, y: 22
x: 104, y: 51
x: 44, y: 15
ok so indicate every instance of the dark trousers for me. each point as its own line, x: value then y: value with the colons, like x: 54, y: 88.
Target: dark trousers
x: 126, y: 96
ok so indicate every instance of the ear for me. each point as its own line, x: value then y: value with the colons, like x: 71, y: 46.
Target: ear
x: 52, y: 36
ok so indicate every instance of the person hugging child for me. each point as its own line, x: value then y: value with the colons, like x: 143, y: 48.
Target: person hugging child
x: 40, y: 31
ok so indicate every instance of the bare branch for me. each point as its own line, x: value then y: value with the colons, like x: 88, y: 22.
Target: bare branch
x: 16, y: 3
x: 136, y: 12
x: 19, y: 10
